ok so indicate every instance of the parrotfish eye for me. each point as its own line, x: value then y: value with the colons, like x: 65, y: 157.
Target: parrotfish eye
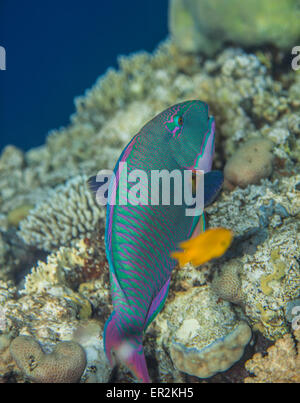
x: 179, y: 120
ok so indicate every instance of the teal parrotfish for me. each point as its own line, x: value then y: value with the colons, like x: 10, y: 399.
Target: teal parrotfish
x: 140, y: 238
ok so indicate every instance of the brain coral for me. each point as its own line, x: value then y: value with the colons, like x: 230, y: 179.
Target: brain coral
x: 64, y: 365
x: 70, y: 213
x: 227, y: 282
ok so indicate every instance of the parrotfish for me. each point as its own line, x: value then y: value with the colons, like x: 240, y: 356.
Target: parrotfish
x: 141, y: 237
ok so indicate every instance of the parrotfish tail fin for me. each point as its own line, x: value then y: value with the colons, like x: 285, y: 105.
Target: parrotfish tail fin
x: 128, y: 349
x: 213, y: 182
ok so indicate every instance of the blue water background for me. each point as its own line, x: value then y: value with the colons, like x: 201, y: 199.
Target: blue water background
x: 55, y: 50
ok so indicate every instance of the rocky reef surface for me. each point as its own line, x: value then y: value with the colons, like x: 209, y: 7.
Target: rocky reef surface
x: 54, y: 282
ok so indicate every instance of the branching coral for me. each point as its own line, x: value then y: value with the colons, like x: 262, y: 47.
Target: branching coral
x: 281, y: 364
x: 70, y: 213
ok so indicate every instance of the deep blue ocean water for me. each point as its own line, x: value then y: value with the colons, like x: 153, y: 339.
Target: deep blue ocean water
x: 55, y: 50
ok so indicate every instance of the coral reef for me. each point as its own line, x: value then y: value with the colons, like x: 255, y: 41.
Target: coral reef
x: 70, y: 213
x: 65, y: 296
x: 264, y: 252
x: 64, y: 365
x: 281, y: 364
x: 50, y: 307
x: 205, y: 26
x: 250, y: 163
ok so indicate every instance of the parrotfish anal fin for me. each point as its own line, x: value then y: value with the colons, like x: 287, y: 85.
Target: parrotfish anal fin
x: 213, y: 182
x: 137, y: 364
x: 157, y: 304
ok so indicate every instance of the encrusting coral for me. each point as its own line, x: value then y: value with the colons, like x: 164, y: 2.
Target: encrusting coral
x: 70, y: 213
x: 65, y: 364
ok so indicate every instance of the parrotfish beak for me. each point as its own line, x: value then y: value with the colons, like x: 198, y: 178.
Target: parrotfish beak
x: 204, y: 158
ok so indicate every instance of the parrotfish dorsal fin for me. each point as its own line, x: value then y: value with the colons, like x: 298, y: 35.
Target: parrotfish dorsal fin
x: 213, y: 182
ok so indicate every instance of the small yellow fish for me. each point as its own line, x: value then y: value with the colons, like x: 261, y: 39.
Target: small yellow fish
x: 208, y: 245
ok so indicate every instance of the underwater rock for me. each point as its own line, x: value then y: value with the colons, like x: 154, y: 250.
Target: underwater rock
x: 70, y: 213
x: 204, y: 26
x: 64, y: 365
x: 204, y: 336
x: 250, y: 163
x: 89, y: 335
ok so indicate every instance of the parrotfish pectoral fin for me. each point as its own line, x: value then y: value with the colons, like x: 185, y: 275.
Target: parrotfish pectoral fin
x: 210, y: 244
x: 157, y: 304
x: 126, y: 348
x: 213, y: 182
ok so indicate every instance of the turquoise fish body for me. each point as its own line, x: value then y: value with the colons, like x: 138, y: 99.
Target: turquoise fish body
x: 139, y: 238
